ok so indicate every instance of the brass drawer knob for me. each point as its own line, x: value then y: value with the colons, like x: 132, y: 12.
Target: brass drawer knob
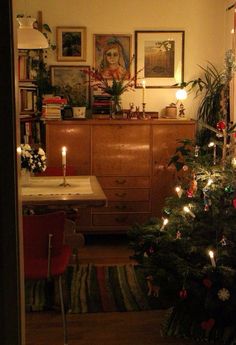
x: 121, y: 219
x: 120, y: 195
x: 120, y: 181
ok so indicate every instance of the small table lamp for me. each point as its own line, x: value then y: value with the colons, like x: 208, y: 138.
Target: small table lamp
x: 181, y: 94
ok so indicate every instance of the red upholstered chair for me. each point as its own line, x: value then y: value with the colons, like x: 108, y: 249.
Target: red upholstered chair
x: 45, y: 255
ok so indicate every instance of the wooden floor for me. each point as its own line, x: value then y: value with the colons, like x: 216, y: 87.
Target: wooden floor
x: 127, y: 328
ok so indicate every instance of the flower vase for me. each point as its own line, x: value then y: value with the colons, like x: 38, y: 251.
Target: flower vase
x: 116, y: 107
x: 25, y: 177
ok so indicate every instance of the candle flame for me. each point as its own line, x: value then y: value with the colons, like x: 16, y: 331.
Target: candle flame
x: 211, y: 254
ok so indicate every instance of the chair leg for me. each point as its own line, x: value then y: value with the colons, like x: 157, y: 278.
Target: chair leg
x: 63, y: 311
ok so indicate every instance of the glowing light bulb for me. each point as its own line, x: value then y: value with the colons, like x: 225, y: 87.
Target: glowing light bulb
x: 181, y: 94
x: 165, y: 222
x: 212, y: 258
x: 187, y: 210
x: 179, y: 191
x: 209, y: 182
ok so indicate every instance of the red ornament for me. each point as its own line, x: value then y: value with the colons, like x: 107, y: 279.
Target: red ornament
x: 183, y: 294
x: 207, y: 282
x: 207, y: 325
x: 221, y: 125
x: 234, y: 203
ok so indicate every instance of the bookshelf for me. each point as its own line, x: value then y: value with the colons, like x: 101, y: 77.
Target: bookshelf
x: 31, y: 126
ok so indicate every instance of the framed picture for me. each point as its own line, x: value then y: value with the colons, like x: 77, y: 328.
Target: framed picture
x: 73, y: 83
x: 160, y: 55
x: 112, y: 55
x: 71, y: 43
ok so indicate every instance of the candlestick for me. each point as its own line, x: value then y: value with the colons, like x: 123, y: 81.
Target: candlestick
x: 144, y: 86
x: 144, y: 114
x: 211, y: 254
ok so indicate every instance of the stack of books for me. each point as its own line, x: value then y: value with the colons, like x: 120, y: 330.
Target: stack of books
x: 101, y: 104
x: 52, y: 107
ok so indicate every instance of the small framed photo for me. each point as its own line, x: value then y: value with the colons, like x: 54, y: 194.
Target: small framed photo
x: 112, y: 55
x: 71, y: 43
x: 160, y: 56
x: 73, y: 83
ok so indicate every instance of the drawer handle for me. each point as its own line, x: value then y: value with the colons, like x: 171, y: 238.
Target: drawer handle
x: 121, y: 219
x: 120, y: 195
x: 120, y: 181
x: 121, y: 207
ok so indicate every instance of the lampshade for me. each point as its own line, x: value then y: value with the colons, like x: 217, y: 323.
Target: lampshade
x: 181, y: 94
x: 29, y: 37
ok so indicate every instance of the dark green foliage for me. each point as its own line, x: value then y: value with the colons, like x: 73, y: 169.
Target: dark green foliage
x: 176, y: 256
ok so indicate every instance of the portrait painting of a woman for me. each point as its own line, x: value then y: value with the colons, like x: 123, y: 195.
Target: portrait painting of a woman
x: 112, y: 56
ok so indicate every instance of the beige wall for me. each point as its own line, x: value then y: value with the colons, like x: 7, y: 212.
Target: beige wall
x: 204, y: 22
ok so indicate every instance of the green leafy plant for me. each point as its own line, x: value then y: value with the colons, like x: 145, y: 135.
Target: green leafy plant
x: 213, y: 86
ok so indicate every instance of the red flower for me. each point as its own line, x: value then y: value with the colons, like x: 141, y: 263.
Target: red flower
x: 208, y: 324
x: 207, y: 282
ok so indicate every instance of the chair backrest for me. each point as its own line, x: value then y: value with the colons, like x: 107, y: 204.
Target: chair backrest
x: 57, y: 171
x: 36, y: 230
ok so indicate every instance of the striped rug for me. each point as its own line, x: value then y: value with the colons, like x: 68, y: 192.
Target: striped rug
x: 95, y: 289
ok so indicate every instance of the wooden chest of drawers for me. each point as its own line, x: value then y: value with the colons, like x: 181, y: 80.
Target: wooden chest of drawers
x: 130, y: 159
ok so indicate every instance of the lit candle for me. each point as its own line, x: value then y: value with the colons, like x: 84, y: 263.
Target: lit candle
x: 212, y: 144
x: 211, y: 254
x: 165, y: 222
x: 179, y: 191
x: 144, y: 86
x: 187, y: 210
x: 63, y: 155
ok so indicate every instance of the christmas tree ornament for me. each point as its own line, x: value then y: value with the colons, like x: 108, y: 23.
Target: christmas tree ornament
x: 185, y: 168
x: 221, y: 125
x: 183, y: 294
x: 196, y: 151
x: 206, y: 199
x: 223, y: 294
x: 208, y: 324
x: 234, y: 203
x: 178, y: 235
x: 207, y: 283
x: 223, y: 241
x: 192, y: 188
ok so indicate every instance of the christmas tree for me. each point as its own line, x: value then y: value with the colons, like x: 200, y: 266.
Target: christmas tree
x: 189, y: 255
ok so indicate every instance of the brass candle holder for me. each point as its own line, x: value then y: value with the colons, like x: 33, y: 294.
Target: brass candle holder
x: 64, y: 183
x: 144, y: 114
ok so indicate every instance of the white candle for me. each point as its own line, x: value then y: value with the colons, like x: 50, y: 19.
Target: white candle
x: 187, y: 210
x: 179, y: 191
x: 63, y: 155
x: 165, y: 222
x: 144, y: 86
x: 211, y: 254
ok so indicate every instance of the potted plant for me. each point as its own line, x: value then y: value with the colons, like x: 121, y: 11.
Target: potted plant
x: 214, y: 88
